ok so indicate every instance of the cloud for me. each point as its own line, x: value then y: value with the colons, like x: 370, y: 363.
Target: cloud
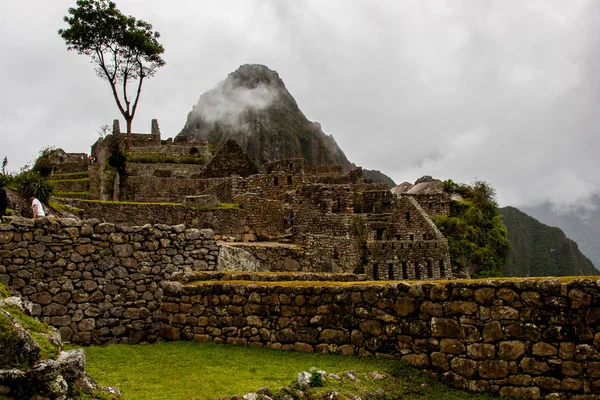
x: 229, y: 101
x: 502, y: 91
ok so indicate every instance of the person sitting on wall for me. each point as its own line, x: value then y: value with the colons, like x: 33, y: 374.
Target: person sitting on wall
x: 36, y: 207
x: 3, y: 200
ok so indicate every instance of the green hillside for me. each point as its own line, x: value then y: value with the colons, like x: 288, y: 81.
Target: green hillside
x: 541, y: 250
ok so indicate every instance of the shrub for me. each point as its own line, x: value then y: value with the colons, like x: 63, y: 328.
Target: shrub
x: 477, y: 238
x: 316, y: 379
x: 31, y: 183
x: 43, y: 165
x: 117, y: 158
x: 6, y: 180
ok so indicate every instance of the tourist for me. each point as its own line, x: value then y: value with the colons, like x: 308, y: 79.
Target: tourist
x: 3, y: 200
x: 36, y: 207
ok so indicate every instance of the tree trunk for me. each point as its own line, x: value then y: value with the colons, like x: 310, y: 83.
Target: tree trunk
x: 129, y: 120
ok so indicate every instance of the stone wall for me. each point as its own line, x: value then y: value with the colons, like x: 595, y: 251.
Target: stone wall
x: 161, y: 189
x: 163, y: 170
x: 99, y: 282
x: 276, y: 257
x: 222, y: 221
x: 527, y: 338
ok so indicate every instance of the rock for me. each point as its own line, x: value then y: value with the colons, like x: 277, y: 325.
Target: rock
x: 303, y: 379
x: 20, y: 347
x: 493, y: 369
x: 464, y: 367
x: 331, y: 395
x: 45, y: 370
x: 289, y: 264
x: 72, y: 364
x: 511, y: 350
x: 521, y: 392
x: 352, y: 375
x: 113, y: 391
x: 85, y: 383
x: 371, y: 327
x: 417, y: 360
x: 444, y: 327
x: 376, y: 375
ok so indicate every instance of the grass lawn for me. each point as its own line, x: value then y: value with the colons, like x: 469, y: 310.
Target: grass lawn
x: 191, y: 370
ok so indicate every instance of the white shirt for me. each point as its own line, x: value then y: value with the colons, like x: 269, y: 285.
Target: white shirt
x: 40, y: 209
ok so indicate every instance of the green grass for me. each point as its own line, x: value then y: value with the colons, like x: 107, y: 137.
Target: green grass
x: 191, y: 370
x: 222, y: 206
x: 68, y: 180
x: 69, y: 175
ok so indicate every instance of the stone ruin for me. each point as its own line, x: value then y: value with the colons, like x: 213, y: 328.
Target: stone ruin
x: 143, y: 268
x: 284, y: 215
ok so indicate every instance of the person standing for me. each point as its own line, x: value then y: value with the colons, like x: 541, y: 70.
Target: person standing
x: 36, y: 207
x: 3, y: 200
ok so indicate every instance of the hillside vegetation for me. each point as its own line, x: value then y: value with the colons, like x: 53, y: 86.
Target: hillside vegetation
x: 541, y: 250
x: 477, y: 238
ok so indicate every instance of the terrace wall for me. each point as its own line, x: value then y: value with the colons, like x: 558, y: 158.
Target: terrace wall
x: 525, y: 338
x: 99, y: 282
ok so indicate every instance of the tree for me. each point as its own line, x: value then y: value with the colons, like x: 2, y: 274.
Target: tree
x: 123, y: 49
x: 476, y: 235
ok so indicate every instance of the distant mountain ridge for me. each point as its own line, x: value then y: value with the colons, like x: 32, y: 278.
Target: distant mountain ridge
x: 253, y: 107
x: 541, y: 250
x: 583, y: 226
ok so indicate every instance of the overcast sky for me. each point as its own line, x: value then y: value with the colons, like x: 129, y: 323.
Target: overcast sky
x: 505, y: 91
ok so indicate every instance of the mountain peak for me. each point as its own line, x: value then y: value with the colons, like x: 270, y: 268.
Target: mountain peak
x: 253, y: 107
x: 252, y: 75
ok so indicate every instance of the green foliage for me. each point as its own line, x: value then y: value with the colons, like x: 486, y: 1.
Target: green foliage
x: 316, y: 379
x: 476, y: 235
x: 31, y: 183
x: 117, y: 158
x: 6, y: 180
x: 42, y: 164
x: 158, y: 158
x: 121, y: 47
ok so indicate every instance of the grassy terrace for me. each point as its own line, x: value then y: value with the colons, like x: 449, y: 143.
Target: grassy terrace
x: 192, y: 370
x: 561, y: 279
x: 69, y: 180
x: 222, y: 206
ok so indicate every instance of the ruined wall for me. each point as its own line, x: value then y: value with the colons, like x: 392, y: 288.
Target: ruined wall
x: 161, y: 189
x: 98, y: 282
x: 95, y: 181
x: 222, y: 221
x: 265, y: 216
x: 525, y: 338
x: 275, y: 257
x: 433, y: 204
x: 405, y: 244
x: 332, y: 253
x: 164, y: 170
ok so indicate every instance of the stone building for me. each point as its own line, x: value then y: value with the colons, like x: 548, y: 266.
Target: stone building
x: 339, y: 221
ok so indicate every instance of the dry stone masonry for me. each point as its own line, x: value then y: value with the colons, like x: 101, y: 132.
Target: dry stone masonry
x: 527, y: 338
x: 99, y: 282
